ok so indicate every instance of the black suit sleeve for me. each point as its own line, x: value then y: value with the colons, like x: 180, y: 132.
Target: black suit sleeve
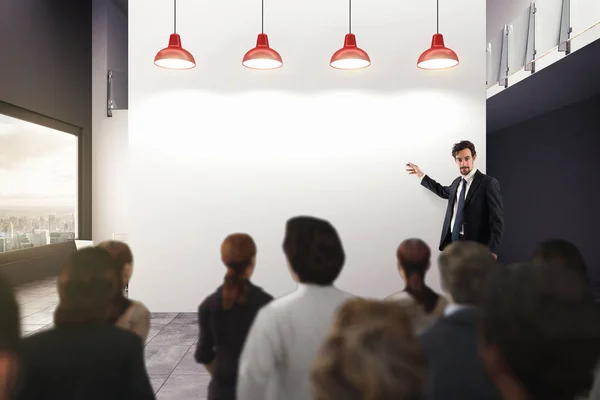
x: 205, y: 352
x: 442, y: 191
x: 137, y: 383
x: 496, y: 214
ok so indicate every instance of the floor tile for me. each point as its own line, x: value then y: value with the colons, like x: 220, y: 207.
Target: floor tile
x: 184, y: 387
x: 176, y: 334
x: 39, y: 318
x: 189, y: 366
x: 27, y: 330
x: 157, y: 381
x: 161, y: 360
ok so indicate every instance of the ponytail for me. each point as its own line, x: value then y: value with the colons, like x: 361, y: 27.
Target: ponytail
x: 235, y: 287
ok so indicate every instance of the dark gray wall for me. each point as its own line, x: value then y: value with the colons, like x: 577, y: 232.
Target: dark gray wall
x: 46, y: 68
x: 549, y: 171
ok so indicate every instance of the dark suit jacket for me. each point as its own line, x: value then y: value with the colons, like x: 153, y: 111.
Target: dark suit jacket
x: 483, y: 217
x: 85, y: 362
x: 455, y: 370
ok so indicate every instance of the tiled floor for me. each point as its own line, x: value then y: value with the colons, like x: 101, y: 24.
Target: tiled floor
x: 169, y: 348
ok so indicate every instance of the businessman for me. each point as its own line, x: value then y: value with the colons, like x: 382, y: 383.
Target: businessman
x: 475, y: 210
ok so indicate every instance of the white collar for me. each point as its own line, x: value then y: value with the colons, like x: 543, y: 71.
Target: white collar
x: 470, y: 176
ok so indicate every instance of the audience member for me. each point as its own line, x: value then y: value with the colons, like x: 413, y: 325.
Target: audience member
x: 450, y: 346
x: 10, y: 333
x: 134, y: 316
x: 371, y: 354
x: 85, y: 356
x: 540, y: 332
x: 424, y: 304
x: 226, y: 315
x: 560, y: 252
x: 287, y: 333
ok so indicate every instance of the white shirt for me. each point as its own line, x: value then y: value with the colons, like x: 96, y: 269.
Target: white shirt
x: 452, y: 308
x: 283, y: 342
x: 469, y: 179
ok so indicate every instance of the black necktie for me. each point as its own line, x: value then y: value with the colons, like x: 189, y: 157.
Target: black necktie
x: 459, y: 212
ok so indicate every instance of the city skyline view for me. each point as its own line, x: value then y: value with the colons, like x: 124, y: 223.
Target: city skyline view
x: 38, y: 177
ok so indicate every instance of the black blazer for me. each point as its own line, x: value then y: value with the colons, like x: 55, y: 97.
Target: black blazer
x: 455, y: 369
x: 483, y: 217
x: 222, y: 334
x: 85, y: 362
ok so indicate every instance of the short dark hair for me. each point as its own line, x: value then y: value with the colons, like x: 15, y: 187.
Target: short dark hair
x: 314, y: 250
x: 414, y: 256
x: 89, y: 289
x: 462, y: 145
x: 560, y: 252
x: 545, y: 326
x: 464, y: 267
x: 10, y: 324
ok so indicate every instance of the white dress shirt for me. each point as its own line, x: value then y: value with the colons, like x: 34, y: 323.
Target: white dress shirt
x: 283, y: 342
x: 469, y: 179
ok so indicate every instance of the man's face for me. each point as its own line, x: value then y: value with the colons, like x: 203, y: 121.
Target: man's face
x: 464, y: 159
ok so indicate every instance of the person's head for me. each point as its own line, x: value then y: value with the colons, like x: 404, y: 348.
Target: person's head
x: 540, y: 331
x: 464, y: 155
x: 560, y: 252
x: 371, y: 354
x: 464, y: 266
x: 122, y: 254
x: 88, y: 287
x: 238, y: 253
x: 314, y: 250
x: 10, y: 336
x: 414, y: 259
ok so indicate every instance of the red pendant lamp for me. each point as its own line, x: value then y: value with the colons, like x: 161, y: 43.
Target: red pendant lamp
x: 350, y: 56
x: 438, y: 56
x: 262, y: 56
x: 174, y: 56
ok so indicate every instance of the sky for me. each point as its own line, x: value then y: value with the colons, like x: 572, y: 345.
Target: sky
x: 38, y: 165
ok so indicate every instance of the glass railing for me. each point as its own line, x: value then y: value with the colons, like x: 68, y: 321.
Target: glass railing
x: 549, y: 27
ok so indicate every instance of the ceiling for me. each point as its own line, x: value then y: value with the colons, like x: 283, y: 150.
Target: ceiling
x: 574, y: 78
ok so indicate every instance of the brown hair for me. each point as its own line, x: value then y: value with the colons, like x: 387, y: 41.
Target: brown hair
x: 88, y: 286
x: 464, y: 267
x: 371, y: 354
x: 121, y: 253
x: 237, y: 253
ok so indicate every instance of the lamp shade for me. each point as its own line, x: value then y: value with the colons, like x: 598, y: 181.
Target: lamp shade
x: 262, y: 56
x: 174, y: 56
x: 350, y: 56
x: 437, y: 56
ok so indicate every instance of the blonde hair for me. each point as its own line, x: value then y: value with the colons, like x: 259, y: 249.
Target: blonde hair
x: 371, y: 353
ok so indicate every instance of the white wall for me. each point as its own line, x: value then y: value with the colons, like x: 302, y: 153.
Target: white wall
x: 109, y: 135
x: 219, y: 148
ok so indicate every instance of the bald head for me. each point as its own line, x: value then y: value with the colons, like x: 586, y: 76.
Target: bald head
x: 414, y: 255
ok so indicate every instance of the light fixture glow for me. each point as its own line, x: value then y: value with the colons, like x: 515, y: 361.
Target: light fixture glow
x: 350, y: 57
x: 174, y: 56
x: 438, y: 56
x: 262, y: 57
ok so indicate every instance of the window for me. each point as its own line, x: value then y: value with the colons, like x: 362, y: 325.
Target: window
x: 38, y: 185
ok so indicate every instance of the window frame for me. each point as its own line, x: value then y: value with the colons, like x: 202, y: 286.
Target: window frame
x: 84, y: 199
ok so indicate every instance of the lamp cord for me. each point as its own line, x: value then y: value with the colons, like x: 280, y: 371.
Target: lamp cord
x: 438, y: 16
x: 174, y: 16
x: 349, y: 16
x: 262, y: 20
